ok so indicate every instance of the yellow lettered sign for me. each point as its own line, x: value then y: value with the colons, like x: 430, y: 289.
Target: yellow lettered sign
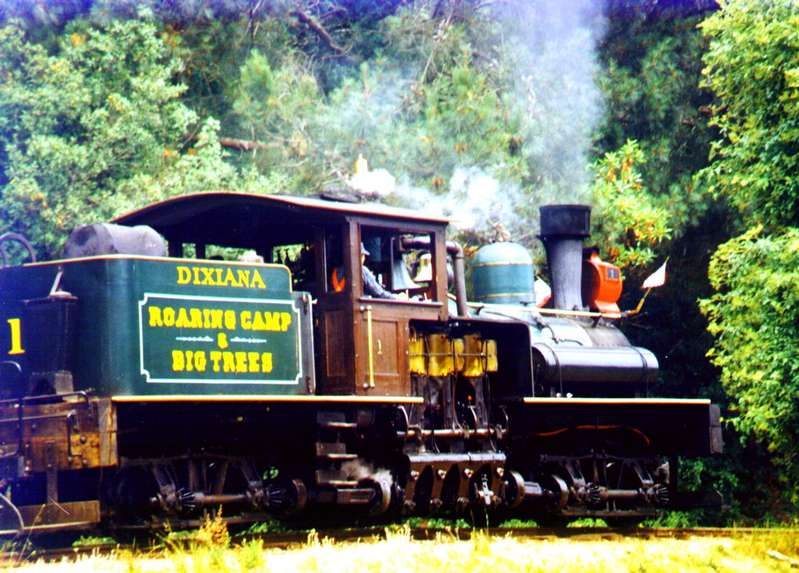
x: 202, y: 339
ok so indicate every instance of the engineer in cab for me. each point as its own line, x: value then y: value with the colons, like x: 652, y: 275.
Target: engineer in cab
x: 371, y: 286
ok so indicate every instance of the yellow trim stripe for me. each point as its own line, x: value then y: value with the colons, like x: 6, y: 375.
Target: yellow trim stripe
x: 582, y: 313
x: 501, y: 294
x: 184, y: 260
x: 240, y: 398
x: 620, y: 401
x: 505, y: 264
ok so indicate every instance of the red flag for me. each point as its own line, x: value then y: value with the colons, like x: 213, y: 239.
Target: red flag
x: 656, y: 279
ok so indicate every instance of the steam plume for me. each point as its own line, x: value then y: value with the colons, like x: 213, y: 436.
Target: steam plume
x: 548, y: 49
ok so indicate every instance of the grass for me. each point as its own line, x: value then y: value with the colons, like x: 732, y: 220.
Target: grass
x: 211, y: 549
x: 587, y: 522
x: 85, y: 541
x: 442, y: 523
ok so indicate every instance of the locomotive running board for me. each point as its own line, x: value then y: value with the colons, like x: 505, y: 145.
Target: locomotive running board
x: 259, y: 398
x: 619, y: 401
x: 665, y: 426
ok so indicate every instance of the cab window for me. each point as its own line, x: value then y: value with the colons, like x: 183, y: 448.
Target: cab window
x: 400, y: 262
x: 299, y: 258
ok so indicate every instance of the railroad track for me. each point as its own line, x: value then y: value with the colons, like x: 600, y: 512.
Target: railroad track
x: 289, y: 539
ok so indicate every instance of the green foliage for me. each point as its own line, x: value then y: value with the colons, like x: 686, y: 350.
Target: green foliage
x: 587, y: 522
x: 752, y: 66
x: 420, y: 108
x: 276, y: 107
x: 464, y: 121
x: 629, y: 222
x: 650, y: 82
x: 95, y: 128
x: 93, y: 541
x: 443, y: 523
x: 516, y: 523
x: 414, y: 39
x: 754, y: 315
x: 266, y: 526
x: 212, y: 53
x: 652, y: 70
x: 675, y: 519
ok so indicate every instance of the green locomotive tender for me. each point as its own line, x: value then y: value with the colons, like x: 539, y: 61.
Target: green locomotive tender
x: 139, y: 385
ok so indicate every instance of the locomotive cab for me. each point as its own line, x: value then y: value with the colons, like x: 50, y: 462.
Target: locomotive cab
x: 360, y: 340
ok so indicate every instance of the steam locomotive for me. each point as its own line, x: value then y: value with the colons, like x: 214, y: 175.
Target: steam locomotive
x: 153, y: 373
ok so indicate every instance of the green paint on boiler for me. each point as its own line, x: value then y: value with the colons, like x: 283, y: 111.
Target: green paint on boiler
x: 503, y: 273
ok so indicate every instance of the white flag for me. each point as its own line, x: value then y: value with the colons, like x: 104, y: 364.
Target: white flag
x: 656, y: 279
x: 542, y: 293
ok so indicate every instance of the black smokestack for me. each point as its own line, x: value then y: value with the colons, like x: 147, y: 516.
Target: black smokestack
x: 563, y: 228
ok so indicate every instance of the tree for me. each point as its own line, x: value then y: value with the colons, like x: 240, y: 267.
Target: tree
x: 752, y: 67
x: 754, y: 316
x: 420, y: 108
x: 95, y: 128
x: 650, y: 82
x: 753, y: 313
x: 630, y: 223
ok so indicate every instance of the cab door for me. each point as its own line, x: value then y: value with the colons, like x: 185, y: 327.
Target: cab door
x: 382, y: 326
x: 381, y: 331
x: 333, y: 332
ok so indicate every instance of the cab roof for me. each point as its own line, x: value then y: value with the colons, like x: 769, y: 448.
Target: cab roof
x: 227, y: 218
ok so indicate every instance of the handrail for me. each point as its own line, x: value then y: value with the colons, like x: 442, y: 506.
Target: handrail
x: 10, y: 236
x: 42, y: 397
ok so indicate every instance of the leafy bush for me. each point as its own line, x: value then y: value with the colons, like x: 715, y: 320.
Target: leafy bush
x: 754, y: 315
x: 628, y: 220
x: 752, y: 66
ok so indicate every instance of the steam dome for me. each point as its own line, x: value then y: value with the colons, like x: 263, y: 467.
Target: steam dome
x: 503, y: 273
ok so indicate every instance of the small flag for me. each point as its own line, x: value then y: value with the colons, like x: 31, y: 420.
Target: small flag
x: 656, y: 279
x: 542, y: 293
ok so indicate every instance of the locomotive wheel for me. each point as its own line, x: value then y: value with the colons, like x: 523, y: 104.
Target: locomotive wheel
x: 383, y: 495
x: 513, y: 490
x: 556, y: 499
x: 287, y: 498
x: 560, y: 490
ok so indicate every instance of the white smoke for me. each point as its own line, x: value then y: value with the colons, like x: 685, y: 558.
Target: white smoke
x: 360, y: 470
x: 474, y: 201
x: 547, y: 49
x: 378, y: 182
x: 550, y: 47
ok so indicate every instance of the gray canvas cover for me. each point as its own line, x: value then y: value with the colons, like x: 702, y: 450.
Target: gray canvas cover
x: 110, y: 239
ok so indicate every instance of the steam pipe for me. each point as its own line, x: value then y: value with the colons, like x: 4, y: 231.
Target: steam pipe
x: 458, y: 267
x: 459, y: 270
x: 446, y: 433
